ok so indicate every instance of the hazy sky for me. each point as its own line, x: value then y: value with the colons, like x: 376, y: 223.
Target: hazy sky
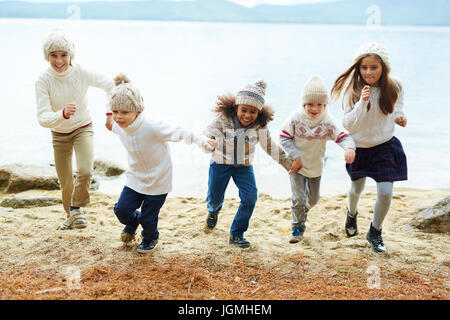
x: 248, y: 3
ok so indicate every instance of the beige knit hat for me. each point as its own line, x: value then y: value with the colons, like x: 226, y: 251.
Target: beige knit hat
x: 374, y: 48
x: 315, y: 90
x: 125, y: 96
x: 252, y: 95
x: 57, y: 40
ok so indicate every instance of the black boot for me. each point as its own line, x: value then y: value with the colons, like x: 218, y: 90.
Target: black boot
x: 351, y: 228
x: 211, y: 220
x: 375, y: 239
x: 239, y: 241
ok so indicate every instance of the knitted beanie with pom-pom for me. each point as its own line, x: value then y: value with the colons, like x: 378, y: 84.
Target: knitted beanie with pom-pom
x: 125, y: 96
x: 252, y: 95
x: 57, y: 40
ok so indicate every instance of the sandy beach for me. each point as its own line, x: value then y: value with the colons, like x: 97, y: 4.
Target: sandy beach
x: 195, y: 264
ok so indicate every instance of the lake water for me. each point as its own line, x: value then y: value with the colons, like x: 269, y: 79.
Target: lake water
x: 180, y: 68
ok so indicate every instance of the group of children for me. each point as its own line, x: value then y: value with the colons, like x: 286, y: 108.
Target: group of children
x: 371, y: 99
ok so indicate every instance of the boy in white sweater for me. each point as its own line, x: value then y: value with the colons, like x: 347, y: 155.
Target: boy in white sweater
x: 304, y: 137
x: 62, y: 106
x: 149, y: 178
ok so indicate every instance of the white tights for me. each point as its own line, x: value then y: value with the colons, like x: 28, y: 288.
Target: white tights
x: 384, y: 196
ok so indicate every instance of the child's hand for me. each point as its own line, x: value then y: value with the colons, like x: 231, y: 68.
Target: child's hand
x: 401, y: 121
x: 365, y: 93
x: 70, y: 109
x: 211, y: 145
x: 109, y: 122
x: 296, y: 165
x: 349, y: 156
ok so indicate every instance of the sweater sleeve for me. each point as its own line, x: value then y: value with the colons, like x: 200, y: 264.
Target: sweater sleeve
x: 166, y: 132
x: 353, y: 117
x: 342, y: 138
x: 273, y: 149
x: 287, y: 139
x: 45, y: 114
x: 100, y: 81
x: 398, y: 111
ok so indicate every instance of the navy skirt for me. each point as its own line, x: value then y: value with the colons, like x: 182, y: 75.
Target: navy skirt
x: 384, y: 162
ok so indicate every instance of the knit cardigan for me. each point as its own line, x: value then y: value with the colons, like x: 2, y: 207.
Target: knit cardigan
x: 54, y: 90
x: 237, y: 144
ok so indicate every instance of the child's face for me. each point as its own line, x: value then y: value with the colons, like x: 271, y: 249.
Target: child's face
x: 371, y: 70
x: 124, y: 117
x: 59, y: 60
x: 246, y: 114
x: 314, y: 109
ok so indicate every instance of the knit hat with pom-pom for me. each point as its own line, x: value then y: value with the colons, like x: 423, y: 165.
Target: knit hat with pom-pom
x: 57, y: 40
x: 374, y: 48
x: 125, y: 96
x: 315, y: 90
x: 252, y: 95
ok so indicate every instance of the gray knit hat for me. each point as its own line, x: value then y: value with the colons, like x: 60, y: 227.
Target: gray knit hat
x: 315, y: 90
x: 125, y: 96
x: 57, y: 40
x: 252, y: 95
x: 374, y: 48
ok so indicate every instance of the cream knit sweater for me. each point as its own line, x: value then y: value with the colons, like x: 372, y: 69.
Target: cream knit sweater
x: 371, y: 128
x: 54, y: 90
x: 150, y: 164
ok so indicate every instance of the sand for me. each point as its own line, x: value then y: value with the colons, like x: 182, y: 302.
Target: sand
x: 29, y: 237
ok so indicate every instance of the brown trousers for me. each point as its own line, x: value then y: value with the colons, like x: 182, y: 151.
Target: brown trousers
x: 81, y: 141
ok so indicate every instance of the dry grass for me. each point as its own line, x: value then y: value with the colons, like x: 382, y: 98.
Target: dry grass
x: 207, y: 277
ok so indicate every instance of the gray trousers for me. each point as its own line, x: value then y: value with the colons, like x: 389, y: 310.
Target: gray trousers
x: 305, y: 195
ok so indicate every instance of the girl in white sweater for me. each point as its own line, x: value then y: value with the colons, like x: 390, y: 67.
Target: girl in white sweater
x: 149, y: 178
x: 373, y: 104
x: 62, y: 107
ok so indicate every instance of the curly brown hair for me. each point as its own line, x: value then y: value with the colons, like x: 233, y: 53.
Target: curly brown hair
x: 226, y: 104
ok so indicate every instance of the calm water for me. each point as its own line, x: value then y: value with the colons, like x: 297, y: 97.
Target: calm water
x: 181, y: 67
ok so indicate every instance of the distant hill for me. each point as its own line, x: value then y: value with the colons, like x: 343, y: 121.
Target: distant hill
x: 392, y: 12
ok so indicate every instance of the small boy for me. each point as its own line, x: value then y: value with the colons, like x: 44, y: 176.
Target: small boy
x: 149, y: 177
x: 304, y: 137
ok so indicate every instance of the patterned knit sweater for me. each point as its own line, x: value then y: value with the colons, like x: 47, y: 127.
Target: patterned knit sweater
x: 305, y: 137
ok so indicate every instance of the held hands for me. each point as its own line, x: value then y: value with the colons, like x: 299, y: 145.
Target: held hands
x: 401, y: 121
x: 70, y: 109
x: 211, y: 145
x: 349, y: 156
x: 365, y: 93
x: 296, y: 165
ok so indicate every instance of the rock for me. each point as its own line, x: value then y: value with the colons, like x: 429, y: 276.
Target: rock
x: 435, y: 218
x: 108, y: 167
x: 19, y: 177
x: 28, y: 201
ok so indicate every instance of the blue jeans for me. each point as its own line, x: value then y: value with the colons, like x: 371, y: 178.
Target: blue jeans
x: 127, y: 213
x: 244, y: 178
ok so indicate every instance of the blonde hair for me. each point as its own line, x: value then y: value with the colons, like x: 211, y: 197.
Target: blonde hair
x: 351, y: 83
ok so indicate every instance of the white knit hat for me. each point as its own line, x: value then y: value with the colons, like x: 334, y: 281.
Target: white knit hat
x: 315, y: 90
x: 252, y: 95
x: 125, y: 96
x: 57, y: 40
x: 374, y: 48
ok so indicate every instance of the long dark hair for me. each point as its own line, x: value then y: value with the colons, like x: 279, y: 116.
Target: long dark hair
x: 351, y: 84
